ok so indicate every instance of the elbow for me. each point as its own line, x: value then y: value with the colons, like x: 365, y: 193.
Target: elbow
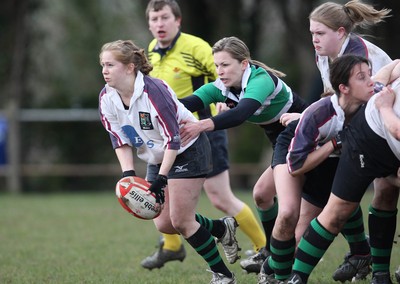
x: 295, y: 168
x: 294, y: 172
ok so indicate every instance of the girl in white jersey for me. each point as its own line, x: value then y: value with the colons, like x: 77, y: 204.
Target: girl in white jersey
x: 143, y: 112
x: 331, y: 27
x: 310, y: 156
x: 371, y: 149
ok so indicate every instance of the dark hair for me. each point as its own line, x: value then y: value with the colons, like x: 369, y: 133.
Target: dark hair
x: 350, y: 15
x: 125, y: 51
x: 341, y: 69
x: 239, y: 51
x: 157, y: 5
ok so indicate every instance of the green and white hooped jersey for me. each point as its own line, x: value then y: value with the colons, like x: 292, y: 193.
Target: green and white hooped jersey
x: 274, y: 95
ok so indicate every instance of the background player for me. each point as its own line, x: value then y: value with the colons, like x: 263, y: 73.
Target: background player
x: 185, y: 62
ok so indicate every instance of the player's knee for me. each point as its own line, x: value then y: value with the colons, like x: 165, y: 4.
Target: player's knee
x: 334, y: 224
x: 165, y: 228
x: 287, y: 220
x: 386, y: 198
x: 263, y: 200
x: 179, y: 224
x: 220, y: 206
x: 263, y: 195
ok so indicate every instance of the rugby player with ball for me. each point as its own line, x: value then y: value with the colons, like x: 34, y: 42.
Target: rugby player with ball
x: 143, y: 112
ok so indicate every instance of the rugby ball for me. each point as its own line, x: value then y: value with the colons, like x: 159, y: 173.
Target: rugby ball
x: 133, y: 195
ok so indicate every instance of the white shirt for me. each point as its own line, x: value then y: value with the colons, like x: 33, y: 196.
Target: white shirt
x: 150, y: 124
x: 358, y: 46
x: 374, y: 119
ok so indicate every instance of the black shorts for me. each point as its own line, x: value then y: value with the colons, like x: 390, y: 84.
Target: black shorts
x: 195, y: 162
x: 282, y: 144
x: 219, y: 151
x: 365, y: 156
x: 318, y: 183
x: 274, y: 129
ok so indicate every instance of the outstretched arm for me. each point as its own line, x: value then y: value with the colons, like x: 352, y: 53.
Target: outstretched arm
x: 192, y: 103
x: 227, y: 119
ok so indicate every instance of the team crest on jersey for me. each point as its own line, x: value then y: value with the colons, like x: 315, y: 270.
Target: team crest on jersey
x: 145, y: 121
x: 177, y: 73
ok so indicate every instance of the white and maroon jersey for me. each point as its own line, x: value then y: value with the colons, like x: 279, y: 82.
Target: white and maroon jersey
x: 374, y: 120
x: 358, y: 46
x: 318, y: 124
x: 150, y: 123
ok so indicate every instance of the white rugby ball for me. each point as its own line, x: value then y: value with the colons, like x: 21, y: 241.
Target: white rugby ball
x: 134, y: 197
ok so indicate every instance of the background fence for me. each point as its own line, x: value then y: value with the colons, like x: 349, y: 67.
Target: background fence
x: 12, y: 170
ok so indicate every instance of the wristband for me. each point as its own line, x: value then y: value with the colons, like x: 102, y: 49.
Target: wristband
x: 378, y: 86
x: 130, y: 173
x: 337, y: 144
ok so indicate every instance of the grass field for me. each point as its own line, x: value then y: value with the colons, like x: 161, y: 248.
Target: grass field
x: 89, y: 238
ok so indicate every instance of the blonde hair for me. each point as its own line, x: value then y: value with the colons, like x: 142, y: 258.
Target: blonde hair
x: 350, y: 15
x: 239, y: 51
x: 125, y: 51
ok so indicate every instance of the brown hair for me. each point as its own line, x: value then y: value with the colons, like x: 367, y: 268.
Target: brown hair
x: 125, y: 51
x: 341, y: 69
x: 239, y: 51
x: 157, y: 5
x: 350, y: 15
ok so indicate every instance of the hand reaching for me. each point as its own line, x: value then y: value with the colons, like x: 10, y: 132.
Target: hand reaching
x: 287, y: 118
x: 189, y: 130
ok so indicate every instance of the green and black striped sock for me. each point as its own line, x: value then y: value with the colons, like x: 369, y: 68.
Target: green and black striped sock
x: 204, y: 244
x: 215, y: 227
x: 354, y: 233
x: 282, y: 253
x: 267, y: 218
x: 382, y: 228
x: 314, y: 243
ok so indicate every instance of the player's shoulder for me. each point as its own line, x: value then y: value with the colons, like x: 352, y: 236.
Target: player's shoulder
x: 259, y: 74
x: 107, y: 96
x: 322, y: 103
x: 320, y: 111
x: 152, y: 44
x: 363, y: 47
x: 154, y: 83
x: 107, y: 91
x: 193, y: 41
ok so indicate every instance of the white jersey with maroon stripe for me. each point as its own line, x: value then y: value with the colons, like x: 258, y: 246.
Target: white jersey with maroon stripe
x: 151, y: 121
x: 356, y: 45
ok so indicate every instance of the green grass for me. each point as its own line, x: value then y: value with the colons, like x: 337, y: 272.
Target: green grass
x: 89, y: 238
